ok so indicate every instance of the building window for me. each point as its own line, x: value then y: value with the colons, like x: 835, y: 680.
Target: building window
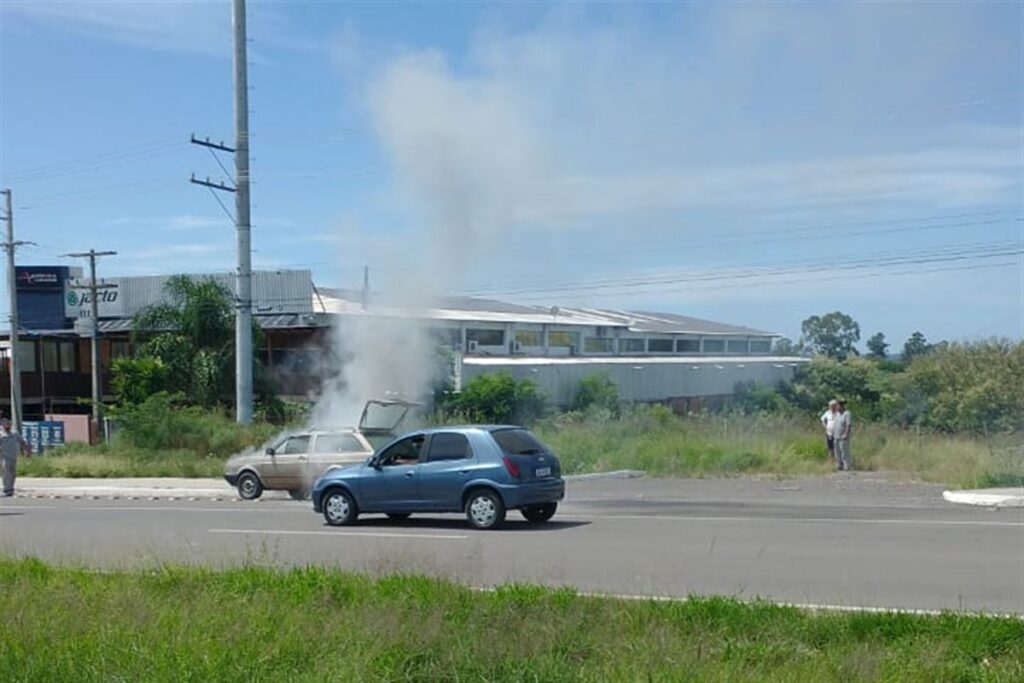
x: 659, y: 345
x: 631, y: 345
x: 486, y: 337
x: 563, y: 338
x: 51, y: 356
x: 760, y: 346
x: 736, y: 346
x: 687, y: 345
x: 67, y: 357
x: 714, y: 346
x: 597, y: 345
x: 26, y: 356
x: 529, y: 338
x: 120, y: 348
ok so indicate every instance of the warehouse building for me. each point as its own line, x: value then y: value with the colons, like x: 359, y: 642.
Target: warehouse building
x: 650, y: 356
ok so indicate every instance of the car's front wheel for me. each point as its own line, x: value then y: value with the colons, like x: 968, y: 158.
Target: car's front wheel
x: 249, y: 486
x: 484, y: 509
x: 537, y: 514
x: 339, y: 508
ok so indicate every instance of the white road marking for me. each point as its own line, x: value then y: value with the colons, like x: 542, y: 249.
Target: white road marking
x: 24, y: 507
x: 797, y: 520
x: 168, y: 508
x: 368, y: 534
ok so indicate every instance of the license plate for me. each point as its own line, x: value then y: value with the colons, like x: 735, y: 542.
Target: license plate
x: 543, y: 471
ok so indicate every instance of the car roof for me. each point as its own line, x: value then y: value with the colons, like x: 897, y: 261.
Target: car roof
x: 466, y: 428
x: 321, y: 432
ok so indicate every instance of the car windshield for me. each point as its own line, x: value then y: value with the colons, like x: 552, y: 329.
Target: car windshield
x: 518, y: 442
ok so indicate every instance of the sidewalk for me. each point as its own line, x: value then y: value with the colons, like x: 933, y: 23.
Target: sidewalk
x: 998, y: 498
x: 177, y: 488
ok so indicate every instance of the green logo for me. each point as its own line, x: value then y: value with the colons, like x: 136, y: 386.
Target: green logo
x: 72, y: 299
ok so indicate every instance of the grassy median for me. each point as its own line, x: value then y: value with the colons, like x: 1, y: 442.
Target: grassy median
x: 250, y: 624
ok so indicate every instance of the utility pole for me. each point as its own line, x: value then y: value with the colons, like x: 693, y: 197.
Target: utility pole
x: 97, y: 379
x: 12, y: 291
x: 243, y: 274
x: 243, y: 280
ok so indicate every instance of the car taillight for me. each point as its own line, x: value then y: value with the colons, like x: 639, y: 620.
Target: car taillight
x: 512, y: 468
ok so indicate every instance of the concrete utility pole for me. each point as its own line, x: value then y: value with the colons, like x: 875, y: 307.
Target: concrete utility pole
x: 12, y: 288
x: 97, y: 379
x: 243, y: 279
x: 243, y: 275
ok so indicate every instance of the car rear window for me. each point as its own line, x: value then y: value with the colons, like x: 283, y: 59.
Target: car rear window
x: 337, y: 443
x: 518, y: 442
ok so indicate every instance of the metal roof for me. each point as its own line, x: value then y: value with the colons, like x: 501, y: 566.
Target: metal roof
x: 638, y: 361
x: 462, y: 308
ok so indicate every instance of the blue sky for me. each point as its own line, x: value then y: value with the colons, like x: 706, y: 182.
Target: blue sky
x: 752, y: 163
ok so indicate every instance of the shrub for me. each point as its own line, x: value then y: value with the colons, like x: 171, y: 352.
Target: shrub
x: 596, y: 391
x: 498, y: 398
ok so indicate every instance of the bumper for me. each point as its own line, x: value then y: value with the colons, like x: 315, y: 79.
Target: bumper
x: 550, y: 491
x: 231, y: 479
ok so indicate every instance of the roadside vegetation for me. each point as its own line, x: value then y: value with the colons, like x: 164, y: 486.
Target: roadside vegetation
x: 250, y: 624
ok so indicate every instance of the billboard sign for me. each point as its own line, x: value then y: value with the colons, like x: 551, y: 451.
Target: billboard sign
x: 78, y: 299
x: 43, y: 435
x: 40, y: 278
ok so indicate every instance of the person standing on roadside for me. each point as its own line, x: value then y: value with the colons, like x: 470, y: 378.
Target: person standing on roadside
x: 11, y: 446
x: 841, y: 433
x: 828, y: 419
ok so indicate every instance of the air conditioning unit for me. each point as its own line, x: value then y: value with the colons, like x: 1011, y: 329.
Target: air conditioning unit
x: 473, y: 346
x: 517, y: 347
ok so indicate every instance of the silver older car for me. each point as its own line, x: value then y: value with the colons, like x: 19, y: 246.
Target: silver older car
x: 295, y: 461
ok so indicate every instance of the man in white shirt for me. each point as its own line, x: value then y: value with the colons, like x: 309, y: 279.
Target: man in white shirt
x: 11, y: 446
x: 841, y: 432
x: 828, y: 419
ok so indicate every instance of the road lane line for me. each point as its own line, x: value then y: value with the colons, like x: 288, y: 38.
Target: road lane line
x: 25, y: 507
x: 797, y: 520
x: 168, y: 508
x: 368, y: 534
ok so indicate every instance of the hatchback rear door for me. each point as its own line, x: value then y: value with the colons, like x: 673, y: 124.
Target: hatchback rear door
x: 383, y: 420
x: 532, y: 459
x: 448, y: 466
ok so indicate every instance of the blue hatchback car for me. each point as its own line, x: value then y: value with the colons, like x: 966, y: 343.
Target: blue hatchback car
x: 483, y: 471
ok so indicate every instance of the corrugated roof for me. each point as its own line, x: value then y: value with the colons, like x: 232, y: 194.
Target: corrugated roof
x: 461, y: 308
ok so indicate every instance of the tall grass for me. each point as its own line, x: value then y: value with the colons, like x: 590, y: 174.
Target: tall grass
x: 312, y: 624
x: 657, y: 441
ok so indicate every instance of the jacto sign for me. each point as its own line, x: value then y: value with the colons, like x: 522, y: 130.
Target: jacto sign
x: 78, y: 300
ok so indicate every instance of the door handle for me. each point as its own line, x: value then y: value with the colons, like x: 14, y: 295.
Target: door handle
x: 463, y: 471
x: 409, y: 474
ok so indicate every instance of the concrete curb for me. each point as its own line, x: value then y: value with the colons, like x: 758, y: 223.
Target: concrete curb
x: 617, y: 474
x: 997, y: 498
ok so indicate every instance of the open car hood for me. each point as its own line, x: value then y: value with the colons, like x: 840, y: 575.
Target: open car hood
x: 388, y: 417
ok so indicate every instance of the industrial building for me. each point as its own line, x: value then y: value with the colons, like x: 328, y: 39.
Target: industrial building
x: 652, y: 357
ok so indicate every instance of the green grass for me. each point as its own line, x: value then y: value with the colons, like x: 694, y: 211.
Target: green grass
x: 312, y: 624
x: 717, y: 445
x: 653, y: 440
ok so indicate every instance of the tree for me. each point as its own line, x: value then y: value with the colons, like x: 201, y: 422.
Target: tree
x: 136, y: 379
x: 785, y: 347
x: 915, y: 346
x: 499, y: 398
x: 877, y: 346
x: 833, y: 335
x: 596, y: 390
x: 192, y: 335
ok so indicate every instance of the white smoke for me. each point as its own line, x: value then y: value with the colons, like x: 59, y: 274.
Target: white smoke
x: 468, y: 161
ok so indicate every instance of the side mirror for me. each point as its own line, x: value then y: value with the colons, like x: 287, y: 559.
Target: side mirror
x: 270, y: 451
x: 375, y: 463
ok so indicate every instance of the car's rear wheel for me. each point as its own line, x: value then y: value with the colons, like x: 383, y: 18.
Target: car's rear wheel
x: 484, y: 509
x: 537, y: 514
x: 249, y: 486
x: 339, y: 508
x: 298, y: 494
x: 398, y: 516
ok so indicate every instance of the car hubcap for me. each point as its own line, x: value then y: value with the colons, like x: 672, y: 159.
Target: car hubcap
x: 248, y: 486
x: 483, y: 511
x: 337, y: 507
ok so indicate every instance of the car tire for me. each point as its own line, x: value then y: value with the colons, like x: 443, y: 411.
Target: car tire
x: 484, y: 509
x: 538, y: 514
x: 249, y: 486
x: 298, y: 494
x: 339, y: 507
x: 398, y: 516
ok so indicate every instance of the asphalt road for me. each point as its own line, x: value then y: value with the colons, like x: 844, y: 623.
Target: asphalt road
x: 845, y: 542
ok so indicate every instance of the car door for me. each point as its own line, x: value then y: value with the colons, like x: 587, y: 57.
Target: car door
x: 443, y: 474
x: 390, y: 486
x: 331, y: 450
x: 285, y: 468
